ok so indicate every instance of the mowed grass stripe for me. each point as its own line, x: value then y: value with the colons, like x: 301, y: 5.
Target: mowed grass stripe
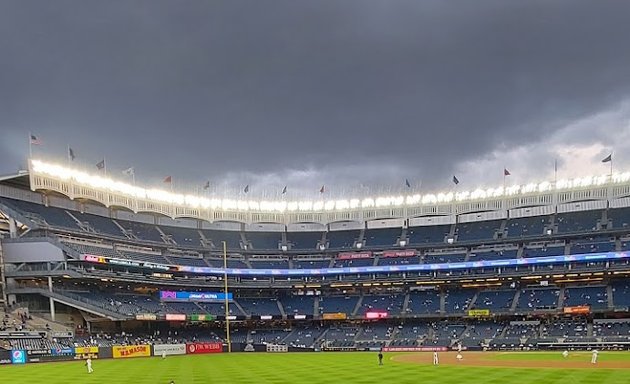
x: 296, y: 368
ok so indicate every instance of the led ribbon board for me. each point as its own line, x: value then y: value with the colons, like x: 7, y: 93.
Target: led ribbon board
x: 580, y: 258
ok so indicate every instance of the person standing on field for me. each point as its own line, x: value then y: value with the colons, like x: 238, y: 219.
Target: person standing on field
x: 436, y: 360
x: 88, y: 364
x: 594, y: 356
x: 380, y: 358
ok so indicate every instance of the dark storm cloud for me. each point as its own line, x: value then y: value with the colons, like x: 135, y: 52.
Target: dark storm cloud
x: 333, y: 88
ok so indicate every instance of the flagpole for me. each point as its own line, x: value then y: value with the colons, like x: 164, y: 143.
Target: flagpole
x: 30, y: 145
x: 555, y: 171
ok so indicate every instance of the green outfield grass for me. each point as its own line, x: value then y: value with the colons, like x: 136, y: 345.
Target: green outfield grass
x: 296, y: 368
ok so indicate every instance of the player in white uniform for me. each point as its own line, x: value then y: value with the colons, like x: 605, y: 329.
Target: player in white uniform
x: 436, y: 361
x: 565, y: 354
x: 88, y: 363
x: 459, y: 356
x: 163, y: 355
x: 594, y: 356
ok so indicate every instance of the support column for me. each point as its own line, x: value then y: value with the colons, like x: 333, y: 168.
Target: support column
x: 51, y: 301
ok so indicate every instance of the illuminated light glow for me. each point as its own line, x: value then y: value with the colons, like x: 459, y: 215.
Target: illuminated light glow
x: 306, y: 206
x: 367, y: 203
x: 342, y: 204
x: 429, y: 199
x: 161, y: 196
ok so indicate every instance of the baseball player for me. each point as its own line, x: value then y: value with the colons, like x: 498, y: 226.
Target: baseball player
x: 594, y: 356
x: 436, y: 360
x: 565, y: 354
x: 88, y: 364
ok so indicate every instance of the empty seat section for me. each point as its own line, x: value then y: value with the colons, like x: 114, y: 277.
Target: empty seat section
x: 556, y: 250
x: 495, y: 301
x: 383, y: 237
x: 392, y: 304
x: 493, y: 255
x: 298, y: 305
x: 619, y: 217
x: 342, y: 239
x: 578, y: 221
x: 260, y: 306
x: 100, y: 224
x: 142, y: 231
x: 423, y: 303
x: 232, y: 238
x: 595, y: 297
x: 593, y: 245
x: 527, y: 226
x: 428, y: 234
x: 269, y: 263
x: 310, y: 264
x: 477, y: 230
x: 439, y: 258
x: 264, y: 240
x: 52, y: 216
x: 183, y: 236
x: 538, y: 299
x: 337, y: 304
x: 458, y: 300
x: 304, y: 240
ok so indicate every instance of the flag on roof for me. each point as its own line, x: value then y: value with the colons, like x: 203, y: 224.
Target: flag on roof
x: 284, y: 190
x: 35, y: 140
x: 407, y: 183
x: 246, y: 190
x: 506, y: 172
x: 129, y: 171
x: 607, y: 159
x: 322, y: 189
x: 206, y: 185
x: 168, y: 179
x: 101, y: 164
x: 71, y: 154
x: 455, y: 180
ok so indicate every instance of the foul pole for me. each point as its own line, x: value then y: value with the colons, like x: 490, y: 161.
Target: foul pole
x: 227, y: 302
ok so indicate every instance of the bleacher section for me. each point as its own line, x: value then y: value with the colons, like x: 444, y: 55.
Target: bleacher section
x: 383, y: 237
x: 423, y: 303
x: 595, y: 297
x: 526, y: 226
x: 477, y: 230
x: 538, y: 299
x: 183, y: 236
x: 264, y: 240
x: 342, y: 239
x: 574, y: 222
x: 304, y: 240
x: 428, y: 235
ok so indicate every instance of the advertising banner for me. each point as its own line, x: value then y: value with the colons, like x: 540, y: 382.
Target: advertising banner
x: 578, y: 309
x: 18, y: 356
x: 169, y: 349
x: 478, y: 312
x: 175, y: 317
x: 196, y: 348
x: 82, y: 353
x: 146, y: 316
x: 120, y: 352
x: 400, y: 253
x: 354, y: 255
x: 207, y: 297
x: 334, y: 316
x: 5, y: 357
x: 414, y: 349
x: 202, y: 317
x: 376, y: 315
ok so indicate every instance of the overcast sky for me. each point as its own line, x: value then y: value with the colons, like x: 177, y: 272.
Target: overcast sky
x: 355, y: 95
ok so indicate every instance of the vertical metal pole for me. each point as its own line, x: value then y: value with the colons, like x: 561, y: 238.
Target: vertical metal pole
x: 227, y: 302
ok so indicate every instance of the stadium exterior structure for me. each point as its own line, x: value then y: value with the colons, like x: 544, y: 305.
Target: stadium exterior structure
x: 77, y: 246
x: 536, y: 199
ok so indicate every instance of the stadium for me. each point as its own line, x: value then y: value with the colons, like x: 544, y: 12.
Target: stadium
x: 163, y: 285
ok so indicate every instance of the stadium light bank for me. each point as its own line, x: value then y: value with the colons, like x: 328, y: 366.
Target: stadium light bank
x: 85, y: 179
